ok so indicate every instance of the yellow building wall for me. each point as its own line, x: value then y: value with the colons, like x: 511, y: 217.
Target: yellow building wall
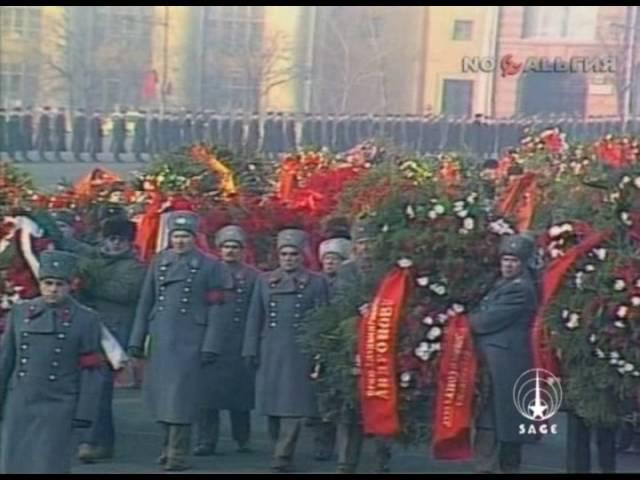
x: 175, y: 56
x: 444, y: 55
x: 283, y: 32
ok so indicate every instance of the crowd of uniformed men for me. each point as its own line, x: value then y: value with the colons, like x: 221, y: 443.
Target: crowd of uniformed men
x: 216, y: 334
x: 45, y: 135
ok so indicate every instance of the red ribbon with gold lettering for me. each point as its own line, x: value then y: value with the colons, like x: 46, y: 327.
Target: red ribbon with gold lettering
x: 377, y: 352
x: 456, y: 388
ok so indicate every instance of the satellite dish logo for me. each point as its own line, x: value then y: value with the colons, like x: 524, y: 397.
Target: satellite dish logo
x: 537, y: 394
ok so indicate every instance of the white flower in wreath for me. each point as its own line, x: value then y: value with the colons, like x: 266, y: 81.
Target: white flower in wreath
x: 459, y: 206
x: 624, y: 180
x: 434, y: 334
x: 635, y: 301
x: 565, y: 314
x: 463, y: 231
x: 469, y: 223
x: 599, y: 353
x: 593, y: 338
x: 619, y: 324
x: 567, y: 228
x: 422, y: 281
x: 439, y: 209
x: 405, y: 380
x: 600, y: 253
x: 556, y: 253
x: 436, y: 347
x: 442, y: 318
x: 423, y: 352
x: 622, y: 311
x: 432, y: 214
x: 428, y: 321
x: 458, y: 308
x: 410, y: 212
x: 405, y: 263
x: 589, y: 268
x: 438, y: 289
x: 628, y: 367
x: 613, y: 362
x: 385, y: 228
x: 635, y: 373
x: 555, y: 231
x: 615, y: 355
x: 626, y: 218
x: 636, y: 182
x: 614, y: 197
x: 579, y: 280
x: 574, y: 321
x: 472, y: 197
x: 463, y: 213
x: 619, y: 285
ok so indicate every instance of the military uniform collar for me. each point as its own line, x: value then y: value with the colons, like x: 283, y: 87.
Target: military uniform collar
x: 193, y: 258
x: 301, y: 276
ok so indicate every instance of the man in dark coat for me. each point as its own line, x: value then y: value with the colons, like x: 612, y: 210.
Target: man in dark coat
x: 118, y: 134
x: 187, y: 129
x: 111, y: 278
x: 358, y: 274
x: 225, y: 132
x: 27, y: 133
x: 166, y: 135
x: 198, y: 128
x: 280, y: 301
x: 60, y: 133
x: 155, y: 135
x: 229, y: 383
x: 290, y: 136
x: 96, y: 135
x: 236, y: 134
x: 139, y: 146
x: 14, y: 133
x: 501, y: 326
x: 79, y: 134
x: 253, y: 135
x: 43, y: 134
x: 306, y: 132
x: 49, y: 377
x: 174, y: 310
x: 332, y: 253
x: 213, y: 129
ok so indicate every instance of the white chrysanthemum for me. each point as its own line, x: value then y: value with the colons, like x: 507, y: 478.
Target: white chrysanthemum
x: 469, y: 223
x: 410, y: 212
x: 622, y: 311
x: 565, y: 314
x: 463, y: 231
x: 555, y: 231
x: 628, y: 367
x: 600, y: 353
x: 434, y: 334
x: 593, y: 338
x: 635, y: 301
x: 438, y: 289
x: 432, y: 214
x: 579, y: 279
x: 636, y: 182
x: 405, y: 377
x: 423, y: 352
x: 458, y: 206
x: 428, y: 321
x: 473, y: 196
x: 626, y: 218
x: 442, y: 318
x: 422, y: 281
x: 619, y: 324
x: 463, y: 213
x: 566, y: 228
x: 615, y: 355
x: 589, y: 268
x: 458, y: 308
x: 439, y: 209
x: 619, y: 285
x: 600, y: 253
x: 405, y: 263
x: 624, y: 180
x: 385, y: 228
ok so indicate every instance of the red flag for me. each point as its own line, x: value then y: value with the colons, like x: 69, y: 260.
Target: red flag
x: 149, y: 84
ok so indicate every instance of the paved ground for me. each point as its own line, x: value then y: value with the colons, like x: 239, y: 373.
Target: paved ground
x: 139, y: 444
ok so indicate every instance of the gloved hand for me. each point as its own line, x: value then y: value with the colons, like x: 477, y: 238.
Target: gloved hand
x: 251, y: 362
x: 208, y: 358
x: 135, y: 352
x: 75, y: 423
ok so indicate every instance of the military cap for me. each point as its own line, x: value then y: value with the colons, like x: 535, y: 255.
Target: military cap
x: 112, y: 210
x: 57, y: 264
x: 292, y: 238
x: 119, y: 227
x: 339, y: 246
x: 183, y: 221
x: 65, y: 216
x: 363, y: 230
x: 521, y: 246
x: 230, y: 233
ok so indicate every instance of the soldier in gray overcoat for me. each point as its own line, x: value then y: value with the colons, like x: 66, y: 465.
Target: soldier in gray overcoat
x: 229, y: 383
x: 49, y: 377
x: 358, y: 274
x: 60, y: 133
x: 94, y: 145
x: 79, y: 131
x: 280, y: 301
x: 140, y: 135
x: 332, y: 253
x: 174, y: 310
x: 501, y: 326
x: 118, y: 134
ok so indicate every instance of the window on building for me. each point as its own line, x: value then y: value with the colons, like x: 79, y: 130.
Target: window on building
x: 21, y: 21
x: 462, y: 30
x: 553, y: 21
x: 18, y: 83
x: 457, y: 97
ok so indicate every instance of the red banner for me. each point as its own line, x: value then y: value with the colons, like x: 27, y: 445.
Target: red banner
x: 456, y: 389
x: 543, y: 356
x: 149, y: 85
x: 377, y: 351
x: 519, y: 200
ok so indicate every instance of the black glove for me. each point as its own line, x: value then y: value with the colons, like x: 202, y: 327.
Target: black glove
x: 75, y: 423
x: 136, y: 352
x: 251, y: 362
x: 208, y: 358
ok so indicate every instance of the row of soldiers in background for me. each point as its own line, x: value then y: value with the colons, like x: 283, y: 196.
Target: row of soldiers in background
x: 148, y: 134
